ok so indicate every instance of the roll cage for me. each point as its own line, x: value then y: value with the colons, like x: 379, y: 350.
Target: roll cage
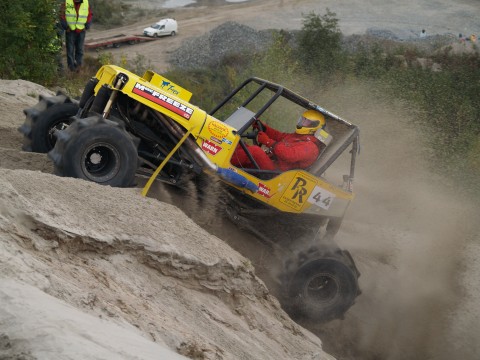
x: 250, y: 100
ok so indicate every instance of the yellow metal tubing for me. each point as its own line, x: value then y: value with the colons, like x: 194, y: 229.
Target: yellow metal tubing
x: 157, y: 171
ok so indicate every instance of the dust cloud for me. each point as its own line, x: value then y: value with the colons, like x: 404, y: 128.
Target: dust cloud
x: 408, y: 234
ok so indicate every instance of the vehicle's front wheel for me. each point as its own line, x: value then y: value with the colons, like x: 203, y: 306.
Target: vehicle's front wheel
x: 173, y: 33
x: 96, y: 150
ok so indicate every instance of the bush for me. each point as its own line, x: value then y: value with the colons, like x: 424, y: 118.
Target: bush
x: 371, y: 63
x: 450, y: 110
x: 319, y: 43
x: 29, y: 40
x: 208, y: 85
x: 108, y: 13
x: 278, y: 63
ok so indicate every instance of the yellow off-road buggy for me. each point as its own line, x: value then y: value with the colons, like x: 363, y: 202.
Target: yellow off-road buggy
x: 126, y: 125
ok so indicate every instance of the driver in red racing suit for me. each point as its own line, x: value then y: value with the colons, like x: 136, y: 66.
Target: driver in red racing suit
x: 285, y: 151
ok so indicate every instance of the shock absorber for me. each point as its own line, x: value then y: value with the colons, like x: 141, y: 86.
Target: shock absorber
x: 120, y: 81
x: 106, y: 96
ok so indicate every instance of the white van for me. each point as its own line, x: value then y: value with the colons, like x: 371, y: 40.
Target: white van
x: 162, y: 28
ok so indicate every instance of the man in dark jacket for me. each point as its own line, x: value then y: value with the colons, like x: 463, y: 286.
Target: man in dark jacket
x: 75, y: 18
x: 285, y: 151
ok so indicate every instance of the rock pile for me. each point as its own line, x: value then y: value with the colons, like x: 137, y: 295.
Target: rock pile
x: 226, y: 39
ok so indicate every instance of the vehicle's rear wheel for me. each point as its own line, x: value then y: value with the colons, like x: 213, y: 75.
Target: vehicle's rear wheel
x: 96, y: 150
x: 323, y: 287
x: 44, y: 120
x: 173, y: 33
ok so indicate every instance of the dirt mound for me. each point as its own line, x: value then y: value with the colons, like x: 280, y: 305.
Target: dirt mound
x: 209, y: 49
x: 80, y: 261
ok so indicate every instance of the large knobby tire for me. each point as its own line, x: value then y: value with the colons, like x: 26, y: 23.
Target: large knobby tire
x: 96, y: 150
x: 44, y: 120
x: 323, y: 288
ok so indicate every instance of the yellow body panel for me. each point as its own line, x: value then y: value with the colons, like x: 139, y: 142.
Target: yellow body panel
x: 217, y: 140
x: 298, y: 191
x: 166, y: 85
x: 164, y: 100
x: 214, y: 137
x: 294, y: 191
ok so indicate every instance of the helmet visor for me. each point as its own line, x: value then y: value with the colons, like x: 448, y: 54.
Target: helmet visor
x: 304, y: 122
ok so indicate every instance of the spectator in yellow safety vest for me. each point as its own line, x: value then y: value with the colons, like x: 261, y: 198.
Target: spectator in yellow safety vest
x: 75, y: 19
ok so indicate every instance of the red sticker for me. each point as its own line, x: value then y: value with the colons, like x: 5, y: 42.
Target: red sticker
x: 163, y: 100
x: 264, y: 190
x: 211, y: 147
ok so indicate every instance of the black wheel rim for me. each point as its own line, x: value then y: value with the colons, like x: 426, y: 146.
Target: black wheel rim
x: 101, y: 162
x: 322, y: 288
x: 52, y: 132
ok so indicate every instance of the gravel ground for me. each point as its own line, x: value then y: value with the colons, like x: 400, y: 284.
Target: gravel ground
x: 226, y: 39
x: 232, y: 37
x: 394, y: 20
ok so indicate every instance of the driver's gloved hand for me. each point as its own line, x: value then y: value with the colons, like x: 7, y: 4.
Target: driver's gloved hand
x: 258, y: 125
x: 262, y: 138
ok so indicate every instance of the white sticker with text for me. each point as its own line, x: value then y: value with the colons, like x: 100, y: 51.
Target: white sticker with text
x: 321, y: 197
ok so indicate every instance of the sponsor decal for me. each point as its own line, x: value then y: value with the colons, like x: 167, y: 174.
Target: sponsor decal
x: 218, y: 141
x: 211, y: 147
x: 163, y: 100
x: 168, y: 86
x: 264, y: 190
x: 296, y: 194
x: 218, y: 129
x: 226, y: 141
x: 321, y: 197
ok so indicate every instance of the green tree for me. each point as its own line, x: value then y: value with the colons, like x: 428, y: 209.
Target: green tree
x: 108, y: 13
x: 29, y: 40
x: 278, y: 62
x: 320, y: 48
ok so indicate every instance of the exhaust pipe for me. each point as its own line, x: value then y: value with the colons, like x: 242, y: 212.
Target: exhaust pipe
x: 199, y: 156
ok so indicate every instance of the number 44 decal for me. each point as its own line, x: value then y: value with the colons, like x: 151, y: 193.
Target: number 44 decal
x: 321, y: 197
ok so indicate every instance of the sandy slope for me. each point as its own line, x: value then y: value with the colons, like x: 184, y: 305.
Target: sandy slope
x: 141, y: 266
x: 93, y: 272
